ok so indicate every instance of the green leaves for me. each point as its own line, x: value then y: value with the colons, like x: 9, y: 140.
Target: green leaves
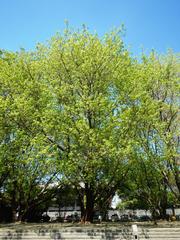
x: 82, y: 109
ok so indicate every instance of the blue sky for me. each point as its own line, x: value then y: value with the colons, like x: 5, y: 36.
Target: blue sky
x: 149, y: 23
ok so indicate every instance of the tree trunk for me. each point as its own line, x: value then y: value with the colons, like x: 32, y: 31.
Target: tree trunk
x: 87, y: 205
x: 19, y: 218
x: 155, y: 214
x: 89, y: 211
x: 162, y: 211
x: 163, y: 204
x: 21, y: 213
x: 14, y: 215
x: 13, y: 207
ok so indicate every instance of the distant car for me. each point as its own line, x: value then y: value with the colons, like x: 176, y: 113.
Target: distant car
x: 45, y: 218
x: 144, y: 218
x: 114, y: 218
x: 95, y: 218
x: 68, y: 218
x: 59, y: 219
x: 72, y: 218
x: 125, y: 218
x: 76, y: 218
x: 134, y: 218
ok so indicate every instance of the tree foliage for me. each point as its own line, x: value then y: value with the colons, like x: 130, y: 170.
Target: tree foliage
x: 81, y: 111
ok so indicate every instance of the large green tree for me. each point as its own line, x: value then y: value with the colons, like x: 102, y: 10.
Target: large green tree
x: 26, y: 157
x: 160, y: 139
x: 156, y: 169
x: 81, y: 111
x: 88, y: 118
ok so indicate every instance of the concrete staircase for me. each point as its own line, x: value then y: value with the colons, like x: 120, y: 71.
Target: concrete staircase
x: 79, y: 233
x: 82, y: 233
x: 159, y: 233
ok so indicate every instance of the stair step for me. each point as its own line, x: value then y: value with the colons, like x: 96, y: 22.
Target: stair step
x: 45, y: 233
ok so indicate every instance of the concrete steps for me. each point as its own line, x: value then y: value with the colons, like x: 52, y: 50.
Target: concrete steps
x: 87, y: 233
x: 65, y: 234
x: 159, y: 233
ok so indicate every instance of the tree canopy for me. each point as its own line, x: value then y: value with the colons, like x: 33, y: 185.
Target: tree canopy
x: 81, y: 111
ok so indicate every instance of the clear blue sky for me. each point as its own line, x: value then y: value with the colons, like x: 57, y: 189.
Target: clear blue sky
x: 149, y: 23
